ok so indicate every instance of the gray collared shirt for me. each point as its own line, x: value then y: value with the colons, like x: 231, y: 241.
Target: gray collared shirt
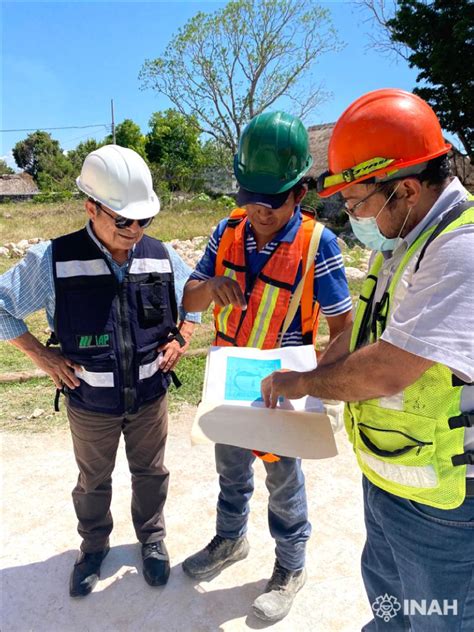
x: 434, y: 314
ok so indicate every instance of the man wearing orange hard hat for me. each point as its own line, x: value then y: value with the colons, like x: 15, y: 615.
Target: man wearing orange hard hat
x: 405, y: 368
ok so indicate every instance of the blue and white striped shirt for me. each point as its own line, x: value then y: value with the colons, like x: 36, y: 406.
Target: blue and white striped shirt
x: 331, y: 290
x: 29, y: 287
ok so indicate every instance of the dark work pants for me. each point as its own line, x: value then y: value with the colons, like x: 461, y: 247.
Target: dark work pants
x: 95, y: 440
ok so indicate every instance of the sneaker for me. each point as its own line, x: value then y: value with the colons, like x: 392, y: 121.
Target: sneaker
x: 156, y: 563
x: 217, y: 555
x: 275, y: 603
x: 86, y: 572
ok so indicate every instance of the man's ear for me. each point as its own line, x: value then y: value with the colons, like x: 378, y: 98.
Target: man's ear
x: 411, y: 190
x: 301, y: 194
x: 91, y: 209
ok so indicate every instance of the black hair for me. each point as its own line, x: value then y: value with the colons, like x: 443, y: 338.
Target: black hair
x: 437, y: 171
x: 299, y: 186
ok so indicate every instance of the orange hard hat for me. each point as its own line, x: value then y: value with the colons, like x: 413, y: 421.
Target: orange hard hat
x: 380, y: 134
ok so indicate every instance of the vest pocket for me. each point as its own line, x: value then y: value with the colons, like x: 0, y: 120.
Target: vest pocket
x: 396, y: 435
x: 153, y: 303
x: 99, y: 388
x: 151, y: 382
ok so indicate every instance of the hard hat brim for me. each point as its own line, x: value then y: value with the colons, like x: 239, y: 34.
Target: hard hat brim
x: 391, y: 169
x: 244, y: 196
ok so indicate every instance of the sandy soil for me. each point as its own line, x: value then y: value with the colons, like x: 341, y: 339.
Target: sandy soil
x: 40, y: 544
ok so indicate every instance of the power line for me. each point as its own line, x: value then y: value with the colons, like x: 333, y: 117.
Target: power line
x: 34, y: 129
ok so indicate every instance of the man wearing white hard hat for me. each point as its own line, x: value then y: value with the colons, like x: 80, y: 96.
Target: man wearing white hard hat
x: 111, y: 296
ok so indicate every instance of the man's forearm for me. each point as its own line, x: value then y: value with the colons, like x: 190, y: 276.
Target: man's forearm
x: 337, y: 348
x: 373, y: 371
x: 197, y: 296
x: 29, y: 345
x: 59, y: 368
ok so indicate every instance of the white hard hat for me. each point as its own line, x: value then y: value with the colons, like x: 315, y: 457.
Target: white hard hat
x: 119, y: 179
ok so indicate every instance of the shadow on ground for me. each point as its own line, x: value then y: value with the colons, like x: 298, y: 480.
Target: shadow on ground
x: 183, y: 604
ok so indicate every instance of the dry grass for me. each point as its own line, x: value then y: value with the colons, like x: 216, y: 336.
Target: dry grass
x: 183, y: 220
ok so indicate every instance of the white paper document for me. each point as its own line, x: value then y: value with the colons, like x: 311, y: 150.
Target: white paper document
x: 232, y: 410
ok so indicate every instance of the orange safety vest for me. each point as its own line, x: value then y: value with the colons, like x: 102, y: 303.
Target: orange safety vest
x: 269, y: 298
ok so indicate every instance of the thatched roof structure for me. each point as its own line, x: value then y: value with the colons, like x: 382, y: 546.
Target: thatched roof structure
x: 17, y: 184
x: 319, y: 136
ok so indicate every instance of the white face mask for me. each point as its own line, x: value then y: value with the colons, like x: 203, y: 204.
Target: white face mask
x: 368, y: 232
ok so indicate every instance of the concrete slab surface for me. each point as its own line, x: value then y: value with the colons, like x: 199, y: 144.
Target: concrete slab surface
x: 40, y: 545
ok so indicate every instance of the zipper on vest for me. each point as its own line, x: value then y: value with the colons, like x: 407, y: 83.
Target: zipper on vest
x: 126, y: 346
x: 417, y: 443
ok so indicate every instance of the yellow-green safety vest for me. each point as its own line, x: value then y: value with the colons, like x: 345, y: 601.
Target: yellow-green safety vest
x: 411, y: 444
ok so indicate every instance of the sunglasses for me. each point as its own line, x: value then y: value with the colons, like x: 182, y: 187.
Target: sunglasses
x: 125, y: 222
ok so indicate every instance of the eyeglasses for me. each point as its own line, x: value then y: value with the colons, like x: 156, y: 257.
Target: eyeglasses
x: 352, y: 211
x: 125, y: 222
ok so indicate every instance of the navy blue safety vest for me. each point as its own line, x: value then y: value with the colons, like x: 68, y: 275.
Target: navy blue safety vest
x: 113, y: 329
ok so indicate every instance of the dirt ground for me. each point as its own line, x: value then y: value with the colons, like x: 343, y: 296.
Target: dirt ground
x: 40, y: 544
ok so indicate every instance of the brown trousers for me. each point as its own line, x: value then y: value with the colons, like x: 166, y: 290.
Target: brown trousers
x: 95, y: 438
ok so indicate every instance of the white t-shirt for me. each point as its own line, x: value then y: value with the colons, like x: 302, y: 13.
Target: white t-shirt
x: 434, y: 314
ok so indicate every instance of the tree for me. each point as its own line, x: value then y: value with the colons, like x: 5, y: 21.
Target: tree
x: 4, y: 168
x: 435, y: 37
x: 173, y: 145
x: 230, y: 65
x: 42, y: 157
x: 128, y: 134
x: 77, y: 156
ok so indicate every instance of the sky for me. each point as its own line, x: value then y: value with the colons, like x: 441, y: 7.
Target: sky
x: 63, y: 62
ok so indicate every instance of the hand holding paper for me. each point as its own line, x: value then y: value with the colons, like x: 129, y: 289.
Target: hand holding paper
x: 233, y: 412
x: 282, y: 383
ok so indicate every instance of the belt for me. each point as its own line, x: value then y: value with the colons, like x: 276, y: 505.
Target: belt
x: 469, y: 487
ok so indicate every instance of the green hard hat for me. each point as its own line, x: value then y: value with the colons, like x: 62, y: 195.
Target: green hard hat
x: 273, y: 153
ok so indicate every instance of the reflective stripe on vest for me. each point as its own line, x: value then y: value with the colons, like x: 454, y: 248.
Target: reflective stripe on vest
x: 112, y: 330
x: 405, y: 443
x: 267, y: 301
x: 93, y: 267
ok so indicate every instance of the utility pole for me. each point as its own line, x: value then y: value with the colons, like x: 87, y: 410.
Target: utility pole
x: 113, y: 120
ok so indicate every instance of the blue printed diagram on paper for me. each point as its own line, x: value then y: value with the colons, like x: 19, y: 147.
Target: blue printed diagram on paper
x: 244, y: 375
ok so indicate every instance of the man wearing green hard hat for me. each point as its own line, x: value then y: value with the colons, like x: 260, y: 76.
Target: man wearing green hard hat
x: 251, y: 270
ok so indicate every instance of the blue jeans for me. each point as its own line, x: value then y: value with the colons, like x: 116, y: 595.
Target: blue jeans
x: 287, y: 508
x: 417, y: 563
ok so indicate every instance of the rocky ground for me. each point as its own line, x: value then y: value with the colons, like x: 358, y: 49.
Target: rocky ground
x: 191, y: 250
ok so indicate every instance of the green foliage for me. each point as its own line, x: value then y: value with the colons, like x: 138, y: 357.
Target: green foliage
x: 439, y: 35
x: 77, y: 156
x: 190, y: 371
x: 52, y: 196
x: 202, y: 197
x: 227, y: 66
x: 226, y: 202
x: 128, y: 134
x: 313, y: 202
x: 4, y: 168
x: 215, y: 154
x: 41, y: 156
x: 173, y: 147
